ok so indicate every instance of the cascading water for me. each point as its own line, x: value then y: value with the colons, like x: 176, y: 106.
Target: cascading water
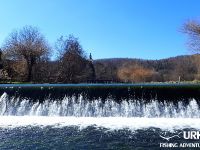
x: 69, y: 106
x: 80, y: 117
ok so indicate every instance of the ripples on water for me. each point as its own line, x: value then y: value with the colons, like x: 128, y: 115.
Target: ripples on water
x: 71, y: 137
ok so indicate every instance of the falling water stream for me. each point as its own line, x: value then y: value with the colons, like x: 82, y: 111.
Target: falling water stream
x: 70, y: 106
x: 77, y: 122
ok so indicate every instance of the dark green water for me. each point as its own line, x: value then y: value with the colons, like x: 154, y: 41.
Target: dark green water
x: 72, y: 138
x: 117, y: 92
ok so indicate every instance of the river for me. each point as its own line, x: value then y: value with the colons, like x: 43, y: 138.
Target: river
x: 87, y: 116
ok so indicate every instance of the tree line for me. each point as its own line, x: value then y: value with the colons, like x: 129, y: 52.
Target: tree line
x: 25, y: 57
x: 180, y: 68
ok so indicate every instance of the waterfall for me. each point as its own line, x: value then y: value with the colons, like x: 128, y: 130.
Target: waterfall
x: 70, y: 106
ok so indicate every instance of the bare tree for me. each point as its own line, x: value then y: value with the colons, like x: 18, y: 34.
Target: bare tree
x: 135, y: 73
x: 26, y: 44
x: 73, y: 62
x: 192, y: 29
x: 1, y: 63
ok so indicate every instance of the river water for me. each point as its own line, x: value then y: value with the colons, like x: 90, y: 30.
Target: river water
x: 84, y: 120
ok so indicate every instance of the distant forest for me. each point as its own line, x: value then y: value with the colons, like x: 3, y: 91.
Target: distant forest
x: 25, y: 57
x: 181, y: 68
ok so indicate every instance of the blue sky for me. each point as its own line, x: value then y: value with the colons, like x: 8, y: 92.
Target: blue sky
x: 148, y: 29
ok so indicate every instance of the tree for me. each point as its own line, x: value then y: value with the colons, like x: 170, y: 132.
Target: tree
x: 90, y: 57
x: 1, y: 63
x: 91, y: 66
x: 192, y: 29
x: 72, y: 59
x: 27, y: 44
x: 135, y: 73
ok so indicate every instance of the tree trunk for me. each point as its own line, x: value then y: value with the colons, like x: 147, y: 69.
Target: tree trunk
x: 29, y: 77
x: 93, y: 71
x: 30, y: 62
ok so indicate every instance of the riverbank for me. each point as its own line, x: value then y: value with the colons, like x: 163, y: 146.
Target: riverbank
x: 107, y: 85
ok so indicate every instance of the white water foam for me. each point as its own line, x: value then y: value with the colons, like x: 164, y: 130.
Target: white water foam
x: 133, y: 115
x: 112, y: 123
x: 70, y: 106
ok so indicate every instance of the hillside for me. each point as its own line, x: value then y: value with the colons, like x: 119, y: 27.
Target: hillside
x: 180, y: 68
x: 185, y: 68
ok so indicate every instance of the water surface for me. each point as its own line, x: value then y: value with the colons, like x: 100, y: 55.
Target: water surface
x: 97, y: 116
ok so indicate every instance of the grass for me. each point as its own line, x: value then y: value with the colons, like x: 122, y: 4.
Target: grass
x: 147, y: 85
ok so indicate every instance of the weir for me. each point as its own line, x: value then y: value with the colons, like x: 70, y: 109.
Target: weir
x: 132, y: 113
x: 80, y: 107
x: 96, y: 100
x: 117, y: 92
